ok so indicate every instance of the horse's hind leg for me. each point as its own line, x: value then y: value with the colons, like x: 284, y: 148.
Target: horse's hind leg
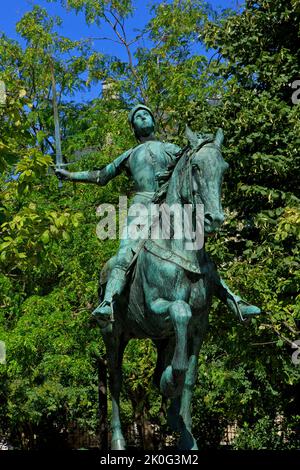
x: 115, y: 348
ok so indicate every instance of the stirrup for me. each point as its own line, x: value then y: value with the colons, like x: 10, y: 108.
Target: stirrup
x: 237, y: 301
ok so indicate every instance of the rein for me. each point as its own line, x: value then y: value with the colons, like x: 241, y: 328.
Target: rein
x: 189, y: 158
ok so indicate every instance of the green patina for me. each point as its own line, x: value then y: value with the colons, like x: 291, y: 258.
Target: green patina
x: 162, y: 290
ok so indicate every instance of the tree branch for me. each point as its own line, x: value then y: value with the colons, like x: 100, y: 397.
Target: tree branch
x: 281, y: 336
x: 103, y: 39
x: 123, y: 39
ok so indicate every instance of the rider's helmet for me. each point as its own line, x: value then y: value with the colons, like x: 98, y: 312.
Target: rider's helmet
x: 135, y: 109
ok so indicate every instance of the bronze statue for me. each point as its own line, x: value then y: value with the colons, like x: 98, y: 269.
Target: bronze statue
x: 158, y: 289
x: 147, y: 164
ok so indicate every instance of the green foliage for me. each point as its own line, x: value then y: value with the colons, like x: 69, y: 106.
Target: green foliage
x: 95, y: 10
x: 260, y: 250
x: 264, y: 435
x: 49, y: 253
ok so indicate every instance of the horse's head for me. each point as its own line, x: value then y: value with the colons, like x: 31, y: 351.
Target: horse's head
x: 207, y: 168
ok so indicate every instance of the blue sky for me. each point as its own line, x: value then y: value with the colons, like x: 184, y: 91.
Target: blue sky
x: 74, y: 26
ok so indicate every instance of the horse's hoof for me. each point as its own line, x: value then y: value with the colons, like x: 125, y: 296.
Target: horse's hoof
x: 118, y: 444
x: 184, y: 446
x: 187, y: 441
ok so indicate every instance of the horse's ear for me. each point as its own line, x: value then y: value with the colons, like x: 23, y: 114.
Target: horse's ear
x: 219, y: 137
x: 191, y: 136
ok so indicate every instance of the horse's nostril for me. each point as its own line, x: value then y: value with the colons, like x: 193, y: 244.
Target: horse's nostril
x: 208, y: 218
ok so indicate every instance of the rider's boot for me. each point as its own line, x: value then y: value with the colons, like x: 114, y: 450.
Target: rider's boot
x: 238, y: 306
x: 115, y: 286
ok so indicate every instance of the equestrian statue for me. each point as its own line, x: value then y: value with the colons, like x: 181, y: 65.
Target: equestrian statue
x: 162, y: 288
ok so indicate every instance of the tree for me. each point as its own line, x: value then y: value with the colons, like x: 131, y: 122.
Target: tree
x: 51, y: 256
x: 36, y: 223
x: 257, y: 61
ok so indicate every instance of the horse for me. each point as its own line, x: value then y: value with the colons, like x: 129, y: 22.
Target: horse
x: 170, y: 292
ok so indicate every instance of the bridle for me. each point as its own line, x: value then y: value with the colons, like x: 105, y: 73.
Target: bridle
x: 189, y: 160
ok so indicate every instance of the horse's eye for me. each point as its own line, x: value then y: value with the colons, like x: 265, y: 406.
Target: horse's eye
x: 196, y: 169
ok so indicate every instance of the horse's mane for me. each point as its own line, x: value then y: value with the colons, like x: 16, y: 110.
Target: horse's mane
x: 181, y: 159
x: 164, y: 181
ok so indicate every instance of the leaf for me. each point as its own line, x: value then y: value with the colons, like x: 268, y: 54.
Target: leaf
x: 45, y: 237
x: 66, y: 236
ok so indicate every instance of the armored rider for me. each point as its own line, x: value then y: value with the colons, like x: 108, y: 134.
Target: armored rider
x: 146, y: 163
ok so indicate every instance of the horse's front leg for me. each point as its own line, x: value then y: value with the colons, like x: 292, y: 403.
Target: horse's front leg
x: 180, y: 313
x: 187, y: 440
x: 172, y: 379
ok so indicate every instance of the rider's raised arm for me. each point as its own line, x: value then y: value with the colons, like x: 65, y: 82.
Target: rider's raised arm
x: 101, y: 177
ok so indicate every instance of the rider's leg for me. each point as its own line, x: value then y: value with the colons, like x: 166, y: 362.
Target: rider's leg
x: 117, y: 279
x: 115, y: 286
x: 235, y: 303
x: 128, y: 245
